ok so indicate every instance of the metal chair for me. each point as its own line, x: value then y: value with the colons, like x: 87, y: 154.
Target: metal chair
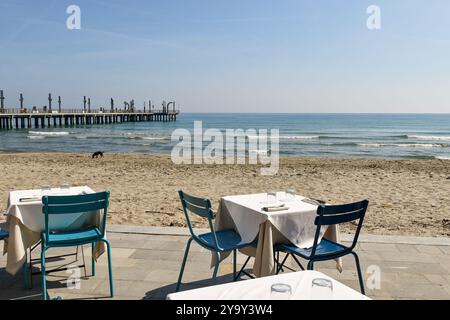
x: 3, y: 234
x: 326, y: 249
x: 214, y: 241
x: 83, y: 204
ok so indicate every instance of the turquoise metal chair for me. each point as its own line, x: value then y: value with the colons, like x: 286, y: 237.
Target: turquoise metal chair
x: 214, y: 241
x: 3, y: 234
x: 83, y: 204
x: 326, y: 249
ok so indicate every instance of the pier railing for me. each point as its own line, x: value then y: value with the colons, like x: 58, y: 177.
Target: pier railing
x: 17, y: 111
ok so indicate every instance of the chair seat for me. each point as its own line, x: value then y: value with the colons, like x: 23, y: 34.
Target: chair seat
x: 3, y: 234
x: 75, y: 237
x: 324, y: 248
x: 227, y: 240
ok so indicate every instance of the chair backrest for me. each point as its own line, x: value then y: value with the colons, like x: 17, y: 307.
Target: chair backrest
x: 82, y: 204
x: 337, y: 214
x: 200, y: 207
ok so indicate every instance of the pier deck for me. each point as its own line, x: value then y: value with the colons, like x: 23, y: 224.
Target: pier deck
x: 14, y: 119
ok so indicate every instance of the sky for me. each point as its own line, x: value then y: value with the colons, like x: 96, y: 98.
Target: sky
x: 230, y: 55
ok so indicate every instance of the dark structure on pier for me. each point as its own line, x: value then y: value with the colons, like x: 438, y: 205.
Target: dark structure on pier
x: 11, y: 118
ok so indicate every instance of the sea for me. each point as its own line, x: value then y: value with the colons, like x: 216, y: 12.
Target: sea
x: 393, y: 136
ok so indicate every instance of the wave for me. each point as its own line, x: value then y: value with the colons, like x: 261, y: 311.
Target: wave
x: 443, y: 157
x: 259, y: 151
x: 44, y: 133
x: 35, y: 137
x: 300, y: 137
x: 121, y: 136
x: 446, y: 138
x: 404, y: 145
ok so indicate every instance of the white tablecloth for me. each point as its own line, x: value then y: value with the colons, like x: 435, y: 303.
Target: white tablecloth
x: 30, y: 213
x: 296, y: 223
x: 26, y: 222
x: 260, y: 289
x: 244, y: 214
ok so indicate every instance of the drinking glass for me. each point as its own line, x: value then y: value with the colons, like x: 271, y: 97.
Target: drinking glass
x: 271, y: 197
x: 65, y: 186
x: 280, y: 291
x: 321, y: 289
x: 45, y: 188
x: 290, y: 195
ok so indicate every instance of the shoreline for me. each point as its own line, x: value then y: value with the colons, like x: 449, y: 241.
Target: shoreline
x: 407, y: 197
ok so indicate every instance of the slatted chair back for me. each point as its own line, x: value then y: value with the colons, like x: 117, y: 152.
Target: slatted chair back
x: 202, y: 208
x: 338, y: 214
x: 82, y: 204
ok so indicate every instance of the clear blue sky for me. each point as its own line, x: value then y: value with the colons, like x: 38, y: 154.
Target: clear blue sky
x: 230, y: 55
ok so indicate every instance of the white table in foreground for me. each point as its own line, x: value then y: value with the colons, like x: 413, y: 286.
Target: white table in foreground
x: 26, y: 222
x: 260, y: 289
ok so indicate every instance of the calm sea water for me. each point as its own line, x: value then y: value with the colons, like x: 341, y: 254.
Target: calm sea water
x: 322, y: 135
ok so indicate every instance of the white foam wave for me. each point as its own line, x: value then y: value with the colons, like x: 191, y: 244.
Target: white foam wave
x: 258, y: 151
x: 443, y: 157
x: 403, y: 145
x: 300, y: 137
x: 445, y: 138
x: 44, y: 133
x: 35, y: 137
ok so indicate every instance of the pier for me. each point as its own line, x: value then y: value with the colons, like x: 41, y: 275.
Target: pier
x: 17, y: 118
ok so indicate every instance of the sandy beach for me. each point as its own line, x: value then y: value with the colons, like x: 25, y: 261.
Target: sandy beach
x: 407, y: 197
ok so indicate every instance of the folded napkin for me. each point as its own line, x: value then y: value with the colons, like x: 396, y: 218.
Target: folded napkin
x: 30, y: 199
x: 275, y: 208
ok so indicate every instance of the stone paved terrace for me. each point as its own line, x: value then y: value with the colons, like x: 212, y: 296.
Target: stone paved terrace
x: 146, y: 263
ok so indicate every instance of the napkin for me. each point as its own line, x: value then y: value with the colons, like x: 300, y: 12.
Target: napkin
x: 29, y: 199
x: 275, y: 208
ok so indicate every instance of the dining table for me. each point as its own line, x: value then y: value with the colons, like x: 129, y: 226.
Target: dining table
x: 26, y: 222
x: 301, y: 285
x: 292, y: 224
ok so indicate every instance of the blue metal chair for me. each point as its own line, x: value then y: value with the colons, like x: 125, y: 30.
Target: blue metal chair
x: 3, y: 234
x: 214, y: 241
x: 326, y: 249
x: 83, y: 204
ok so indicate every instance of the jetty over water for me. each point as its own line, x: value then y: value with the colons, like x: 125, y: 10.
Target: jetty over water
x: 16, y: 118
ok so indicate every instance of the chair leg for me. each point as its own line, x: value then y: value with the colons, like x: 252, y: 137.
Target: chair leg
x: 216, y: 268
x: 186, y: 252
x: 234, y: 264
x: 358, y: 269
x: 25, y: 275
x: 310, y: 265
x: 277, y: 261
x: 76, y: 254
x: 243, y: 269
x: 93, y: 259
x: 44, y: 282
x: 280, y: 265
x: 298, y: 262
x: 84, y: 262
x: 111, y: 283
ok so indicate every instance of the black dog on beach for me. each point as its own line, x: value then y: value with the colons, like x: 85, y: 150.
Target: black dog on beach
x: 97, y: 154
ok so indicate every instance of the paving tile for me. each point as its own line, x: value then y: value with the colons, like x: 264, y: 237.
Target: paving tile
x: 407, y: 257
x: 406, y: 248
x: 432, y: 250
x: 413, y: 267
x: 445, y: 249
x: 437, y: 279
x: 381, y: 247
